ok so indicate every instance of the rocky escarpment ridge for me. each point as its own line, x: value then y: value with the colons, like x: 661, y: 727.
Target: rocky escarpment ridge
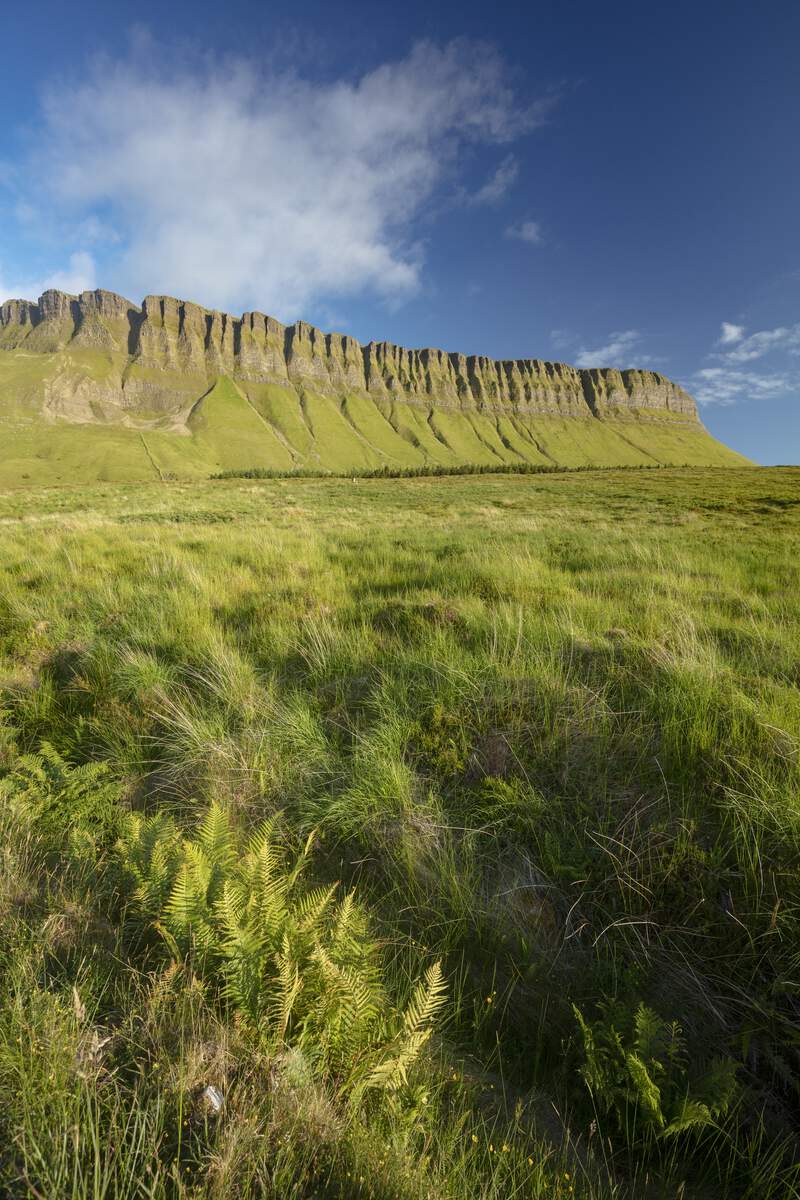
x: 172, y: 338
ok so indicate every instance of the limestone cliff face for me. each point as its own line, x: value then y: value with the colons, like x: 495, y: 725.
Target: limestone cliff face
x: 643, y: 390
x: 168, y: 351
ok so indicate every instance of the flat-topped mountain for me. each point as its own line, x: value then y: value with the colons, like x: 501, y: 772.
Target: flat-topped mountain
x: 97, y: 386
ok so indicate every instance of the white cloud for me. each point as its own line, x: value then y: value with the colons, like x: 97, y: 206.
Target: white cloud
x: 732, y: 380
x: 616, y: 352
x: 498, y: 184
x: 724, y: 385
x: 562, y: 338
x: 94, y: 232
x: 77, y: 276
x: 526, y: 231
x: 786, y: 338
x: 238, y: 189
x: 730, y: 333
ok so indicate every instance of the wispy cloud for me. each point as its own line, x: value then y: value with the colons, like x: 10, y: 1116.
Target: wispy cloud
x: 730, y: 333
x: 723, y: 385
x: 616, y: 352
x: 526, y: 231
x: 747, y: 349
x: 563, y: 338
x: 498, y: 184
x: 731, y: 380
x: 240, y: 188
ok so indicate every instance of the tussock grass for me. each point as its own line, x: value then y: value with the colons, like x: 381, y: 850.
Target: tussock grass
x: 547, y: 730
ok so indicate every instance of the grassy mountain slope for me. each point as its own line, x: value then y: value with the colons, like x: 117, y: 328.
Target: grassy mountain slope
x: 172, y: 389
x: 76, y: 438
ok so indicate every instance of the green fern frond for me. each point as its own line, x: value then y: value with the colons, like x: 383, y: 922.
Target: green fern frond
x: 216, y: 838
x: 649, y: 1033
x: 243, y: 944
x: 312, y: 907
x: 300, y: 970
x: 185, y: 904
x: 349, y: 936
x: 60, y: 799
x: 718, y: 1086
x: 391, y: 1073
x: 427, y: 1000
x: 231, y: 906
x: 692, y: 1114
x: 289, y: 987
x: 202, y: 869
x: 262, y: 840
x: 643, y: 1080
x: 333, y: 976
x: 186, y: 912
x: 148, y: 848
x: 646, y: 1093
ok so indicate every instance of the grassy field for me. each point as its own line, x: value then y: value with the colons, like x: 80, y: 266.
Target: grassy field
x: 401, y: 839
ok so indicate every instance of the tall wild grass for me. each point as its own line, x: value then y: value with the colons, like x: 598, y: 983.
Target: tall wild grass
x: 423, y: 838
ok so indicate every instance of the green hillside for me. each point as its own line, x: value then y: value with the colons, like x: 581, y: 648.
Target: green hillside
x: 239, y: 424
x: 94, y: 388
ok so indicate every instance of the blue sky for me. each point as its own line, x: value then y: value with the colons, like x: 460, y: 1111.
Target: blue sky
x: 607, y: 184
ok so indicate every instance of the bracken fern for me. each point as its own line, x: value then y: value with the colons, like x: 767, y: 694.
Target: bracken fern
x: 635, y: 1068
x: 299, y: 966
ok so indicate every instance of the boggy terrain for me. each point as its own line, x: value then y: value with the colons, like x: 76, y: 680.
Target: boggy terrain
x: 96, y: 387
x: 400, y: 840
